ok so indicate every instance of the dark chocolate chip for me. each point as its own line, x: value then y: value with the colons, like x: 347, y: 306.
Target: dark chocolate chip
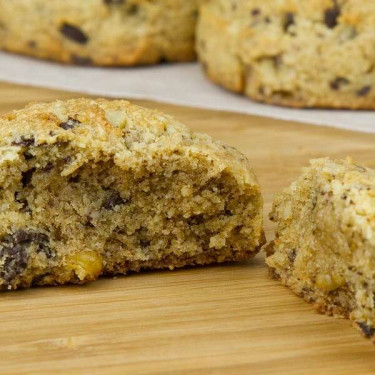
x: 367, y: 330
x: 195, y: 219
x: 363, y: 91
x: 24, y: 141
x: 255, y: 12
x: 144, y: 243
x: 74, y: 179
x: 70, y: 124
x: 73, y: 33
x: 292, y: 255
x: 14, y: 252
x: 67, y: 159
x: 228, y: 212
x: 163, y: 60
x: 331, y: 15
x: 114, y: 200
x: 27, y: 155
x: 47, y: 167
x: 27, y: 176
x: 338, y: 82
x: 288, y: 21
x: 81, y: 60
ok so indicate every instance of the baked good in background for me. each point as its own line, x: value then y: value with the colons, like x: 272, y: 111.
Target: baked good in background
x: 100, y: 32
x: 316, y: 53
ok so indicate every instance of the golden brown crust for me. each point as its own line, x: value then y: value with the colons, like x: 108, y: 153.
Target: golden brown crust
x: 291, y: 53
x: 92, y: 187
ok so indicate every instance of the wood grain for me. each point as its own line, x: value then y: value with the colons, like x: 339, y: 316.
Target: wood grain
x: 231, y: 319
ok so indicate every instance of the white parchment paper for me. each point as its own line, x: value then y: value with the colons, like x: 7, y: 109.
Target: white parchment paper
x: 182, y: 84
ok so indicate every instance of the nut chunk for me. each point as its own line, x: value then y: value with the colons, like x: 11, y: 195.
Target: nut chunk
x: 94, y: 187
x: 324, y: 248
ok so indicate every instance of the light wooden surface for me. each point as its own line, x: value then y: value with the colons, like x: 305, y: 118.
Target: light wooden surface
x: 231, y: 319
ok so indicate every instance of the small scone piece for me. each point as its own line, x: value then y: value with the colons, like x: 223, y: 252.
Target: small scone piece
x: 92, y: 187
x: 324, y: 248
x: 299, y: 53
x: 100, y: 32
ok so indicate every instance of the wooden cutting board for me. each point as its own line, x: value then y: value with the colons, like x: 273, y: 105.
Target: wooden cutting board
x: 229, y: 319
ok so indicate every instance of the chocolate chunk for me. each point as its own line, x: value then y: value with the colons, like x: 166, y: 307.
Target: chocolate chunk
x: 24, y: 141
x: 27, y: 176
x: 14, y: 252
x: 363, y: 91
x: 292, y: 255
x: 288, y: 21
x: 114, y: 200
x: 47, y: 167
x: 367, y: 330
x: 70, y: 124
x: 74, y: 179
x: 195, y: 219
x: 255, y: 12
x: 144, y: 243
x: 81, y: 60
x: 73, y: 33
x: 331, y: 15
x: 338, y: 82
x: 27, y: 155
x: 67, y: 159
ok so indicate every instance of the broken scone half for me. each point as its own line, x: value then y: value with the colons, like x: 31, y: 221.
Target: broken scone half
x: 92, y: 187
x: 324, y: 248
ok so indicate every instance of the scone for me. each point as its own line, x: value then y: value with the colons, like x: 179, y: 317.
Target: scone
x: 100, y: 32
x: 96, y: 187
x: 324, y: 248
x: 299, y: 53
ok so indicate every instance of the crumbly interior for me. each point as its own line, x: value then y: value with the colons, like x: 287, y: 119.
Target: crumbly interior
x: 100, y: 32
x: 324, y: 248
x: 72, y: 210
x: 315, y: 53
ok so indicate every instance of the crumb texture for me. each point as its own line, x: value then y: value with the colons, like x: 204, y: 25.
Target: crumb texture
x: 100, y: 32
x: 316, y: 53
x: 93, y: 187
x: 324, y: 248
